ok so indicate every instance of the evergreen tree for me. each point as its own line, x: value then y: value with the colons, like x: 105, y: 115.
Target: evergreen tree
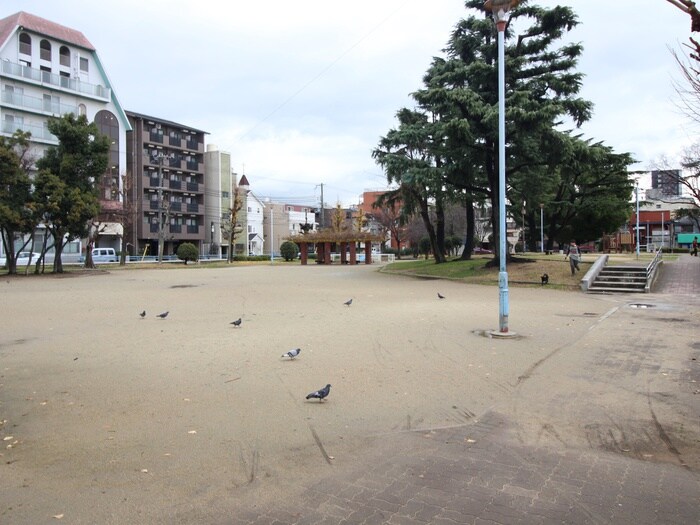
x: 65, y: 191
x: 17, y: 217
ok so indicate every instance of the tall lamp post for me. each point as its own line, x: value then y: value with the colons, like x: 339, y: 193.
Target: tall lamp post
x: 541, y: 227
x: 500, y: 8
x: 636, y: 194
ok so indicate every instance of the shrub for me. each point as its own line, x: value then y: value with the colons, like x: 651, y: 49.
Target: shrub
x: 424, y: 246
x: 187, y: 252
x: 289, y: 250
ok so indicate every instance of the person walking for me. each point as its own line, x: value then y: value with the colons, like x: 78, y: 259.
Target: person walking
x: 574, y: 255
x: 694, y: 250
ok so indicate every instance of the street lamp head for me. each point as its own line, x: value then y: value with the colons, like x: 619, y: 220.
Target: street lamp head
x: 500, y: 8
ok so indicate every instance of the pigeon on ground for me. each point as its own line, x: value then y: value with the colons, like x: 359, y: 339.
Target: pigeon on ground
x: 440, y: 295
x: 348, y: 302
x: 143, y: 314
x: 320, y: 394
x: 163, y: 315
x: 292, y: 353
x: 545, y: 279
x: 237, y: 322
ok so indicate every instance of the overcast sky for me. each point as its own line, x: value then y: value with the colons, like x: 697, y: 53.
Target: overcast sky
x: 300, y: 92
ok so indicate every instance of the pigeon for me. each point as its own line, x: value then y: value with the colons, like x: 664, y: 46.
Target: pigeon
x: 320, y: 394
x: 292, y: 353
x: 163, y: 315
x: 440, y: 295
x: 348, y: 302
x: 237, y: 322
x: 545, y: 279
x: 143, y: 314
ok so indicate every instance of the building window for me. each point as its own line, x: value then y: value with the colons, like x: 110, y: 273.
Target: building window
x: 108, y: 125
x: 82, y: 110
x: 224, y: 195
x: 45, y: 50
x: 83, y: 64
x: 250, y: 210
x: 64, y: 56
x: 52, y: 104
x: 25, y: 44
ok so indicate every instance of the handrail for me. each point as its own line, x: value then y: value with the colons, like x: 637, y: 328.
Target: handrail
x: 654, y: 262
x: 651, y: 269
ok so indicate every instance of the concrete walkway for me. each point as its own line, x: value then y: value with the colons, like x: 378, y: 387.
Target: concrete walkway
x: 604, y: 431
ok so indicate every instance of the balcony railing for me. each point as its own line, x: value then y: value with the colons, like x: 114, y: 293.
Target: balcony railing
x: 38, y: 104
x: 193, y: 229
x: 193, y: 165
x: 176, y: 228
x: 175, y: 206
x: 193, y: 207
x: 175, y: 184
x: 156, y: 137
x: 192, y: 186
x: 37, y: 131
x: 46, y: 77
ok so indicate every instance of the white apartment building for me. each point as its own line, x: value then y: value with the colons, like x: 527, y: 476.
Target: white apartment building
x: 48, y: 70
x: 252, y: 219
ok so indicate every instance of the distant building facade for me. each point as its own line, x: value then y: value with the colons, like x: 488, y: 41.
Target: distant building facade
x: 166, y: 172
x: 667, y: 182
x: 220, y: 182
x: 284, y: 220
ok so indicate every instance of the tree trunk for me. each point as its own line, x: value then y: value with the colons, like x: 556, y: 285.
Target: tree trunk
x: 469, y: 239
x: 425, y: 215
x: 440, y: 231
x: 59, y: 243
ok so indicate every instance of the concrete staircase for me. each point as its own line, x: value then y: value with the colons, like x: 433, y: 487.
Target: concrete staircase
x: 620, y: 279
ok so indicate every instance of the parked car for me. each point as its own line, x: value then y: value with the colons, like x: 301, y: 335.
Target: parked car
x: 23, y: 258
x: 104, y: 255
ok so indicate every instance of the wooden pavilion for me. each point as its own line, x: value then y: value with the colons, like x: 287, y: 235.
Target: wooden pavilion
x: 328, y: 241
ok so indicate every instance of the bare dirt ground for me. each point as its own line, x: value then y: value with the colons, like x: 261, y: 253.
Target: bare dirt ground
x: 111, y: 418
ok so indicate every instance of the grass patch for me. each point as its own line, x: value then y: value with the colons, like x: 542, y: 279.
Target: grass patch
x: 522, y: 270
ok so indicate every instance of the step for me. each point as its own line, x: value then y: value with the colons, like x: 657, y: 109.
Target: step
x: 622, y: 278
x: 619, y: 286
x: 595, y: 289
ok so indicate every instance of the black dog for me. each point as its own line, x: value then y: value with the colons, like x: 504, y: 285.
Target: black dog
x: 545, y: 279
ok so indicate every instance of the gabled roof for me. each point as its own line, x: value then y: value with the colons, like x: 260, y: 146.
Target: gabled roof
x: 41, y: 26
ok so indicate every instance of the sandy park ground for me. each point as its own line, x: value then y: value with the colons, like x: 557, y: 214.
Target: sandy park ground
x: 110, y: 418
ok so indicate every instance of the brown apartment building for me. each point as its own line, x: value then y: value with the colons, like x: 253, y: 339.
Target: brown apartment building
x: 166, y: 167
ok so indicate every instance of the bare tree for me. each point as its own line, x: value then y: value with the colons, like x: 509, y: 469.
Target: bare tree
x: 390, y: 219
x: 229, y: 226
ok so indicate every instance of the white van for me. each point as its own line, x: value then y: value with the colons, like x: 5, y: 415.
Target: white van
x: 104, y: 255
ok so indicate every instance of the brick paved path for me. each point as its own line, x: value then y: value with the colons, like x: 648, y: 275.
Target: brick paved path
x: 479, y: 474
x: 681, y: 276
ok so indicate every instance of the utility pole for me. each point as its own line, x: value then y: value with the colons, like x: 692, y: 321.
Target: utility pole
x: 272, y: 233
x: 323, y: 222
